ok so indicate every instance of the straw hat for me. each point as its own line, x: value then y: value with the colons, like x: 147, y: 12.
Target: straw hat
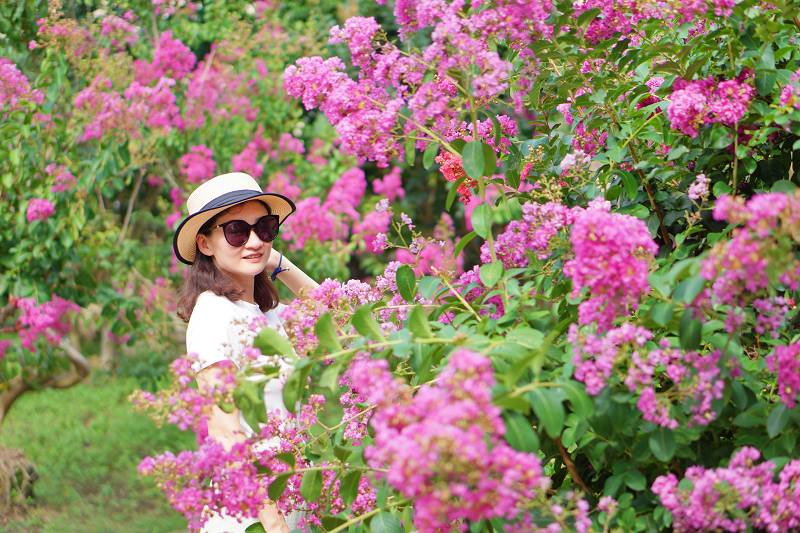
x: 215, y: 196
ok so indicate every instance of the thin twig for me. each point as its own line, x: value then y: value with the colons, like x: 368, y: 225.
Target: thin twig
x: 571, y: 466
x: 131, y: 202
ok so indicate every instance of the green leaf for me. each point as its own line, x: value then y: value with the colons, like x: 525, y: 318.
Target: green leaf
x: 418, y: 323
x: 270, y: 342
x: 489, y: 160
x: 662, y: 312
x: 721, y: 187
x: 635, y: 480
x: 255, y: 528
x: 765, y: 81
x: 472, y: 159
x: 429, y: 155
x: 406, y: 282
x: 580, y: 401
x: 311, y: 486
x: 330, y: 377
x: 325, y: 330
x: 385, y: 522
x: 410, y: 151
x: 451, y: 194
x: 690, y: 330
x: 348, y: 486
x: 482, y: 220
x: 287, y: 458
x: 662, y: 444
x: 777, y: 420
x: 548, y: 410
x: 490, y: 273
x: 365, y: 323
x: 277, y: 486
x: 688, y: 289
x: 519, y: 433
x: 462, y: 242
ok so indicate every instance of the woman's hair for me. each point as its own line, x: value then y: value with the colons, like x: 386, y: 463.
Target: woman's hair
x: 205, y: 276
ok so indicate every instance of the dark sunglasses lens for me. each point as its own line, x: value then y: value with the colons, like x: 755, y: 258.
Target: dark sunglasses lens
x: 267, y: 228
x: 237, y: 232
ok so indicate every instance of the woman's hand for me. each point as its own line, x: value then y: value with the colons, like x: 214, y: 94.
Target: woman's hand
x: 272, y: 520
x: 294, y: 278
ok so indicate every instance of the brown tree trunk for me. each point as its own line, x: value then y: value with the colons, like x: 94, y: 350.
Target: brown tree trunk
x: 73, y: 376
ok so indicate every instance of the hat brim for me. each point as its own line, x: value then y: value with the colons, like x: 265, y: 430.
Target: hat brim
x: 184, y: 242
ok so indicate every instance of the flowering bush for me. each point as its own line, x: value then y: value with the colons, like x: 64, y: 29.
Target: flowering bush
x: 581, y: 219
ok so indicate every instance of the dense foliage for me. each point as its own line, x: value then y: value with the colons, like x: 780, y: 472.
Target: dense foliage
x: 623, y: 353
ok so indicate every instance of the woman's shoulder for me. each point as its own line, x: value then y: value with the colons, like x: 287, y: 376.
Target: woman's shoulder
x: 209, y: 304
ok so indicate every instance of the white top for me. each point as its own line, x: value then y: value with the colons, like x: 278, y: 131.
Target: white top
x: 220, y: 329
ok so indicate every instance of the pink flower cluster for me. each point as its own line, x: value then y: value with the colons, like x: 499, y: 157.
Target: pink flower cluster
x: 198, y: 164
x: 429, y: 256
x: 452, y: 169
x: 698, y: 190
x: 15, y: 89
x: 622, y: 17
x: 695, y: 380
x: 171, y: 59
x: 539, y: 224
x: 595, y: 356
x: 215, y: 90
x: 790, y: 94
x: 120, y: 30
x: 248, y: 159
x: 39, y: 209
x: 444, y: 446
x: 612, y: 258
x: 469, y: 284
x: 744, y: 494
x: 47, y: 321
x: 697, y: 103
x: 63, y: 180
x: 390, y: 186
x: 341, y: 299
x: 738, y: 267
x: 365, y: 111
x: 154, y: 106
x: 332, y: 219
x: 785, y: 362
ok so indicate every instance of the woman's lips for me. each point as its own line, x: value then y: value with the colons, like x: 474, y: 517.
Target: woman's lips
x: 253, y: 257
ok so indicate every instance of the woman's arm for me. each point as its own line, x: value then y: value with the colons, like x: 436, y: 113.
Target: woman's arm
x: 226, y: 429
x: 294, y: 278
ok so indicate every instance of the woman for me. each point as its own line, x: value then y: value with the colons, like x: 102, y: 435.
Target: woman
x: 227, y: 240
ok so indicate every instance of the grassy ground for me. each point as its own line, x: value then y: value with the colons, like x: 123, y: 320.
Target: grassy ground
x: 86, y: 442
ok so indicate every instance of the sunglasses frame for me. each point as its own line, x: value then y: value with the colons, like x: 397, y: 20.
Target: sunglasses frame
x: 251, y: 228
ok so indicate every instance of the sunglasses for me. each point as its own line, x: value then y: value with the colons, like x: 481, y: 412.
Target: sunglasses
x: 237, y: 232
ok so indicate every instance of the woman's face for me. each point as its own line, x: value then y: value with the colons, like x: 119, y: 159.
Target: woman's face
x: 244, y: 262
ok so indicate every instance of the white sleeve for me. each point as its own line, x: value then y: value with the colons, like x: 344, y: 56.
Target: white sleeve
x: 207, y: 334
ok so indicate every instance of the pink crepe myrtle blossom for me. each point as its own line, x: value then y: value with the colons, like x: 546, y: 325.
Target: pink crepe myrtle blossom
x: 39, y: 209
x: 15, y: 89
x: 198, y: 164
x: 48, y: 321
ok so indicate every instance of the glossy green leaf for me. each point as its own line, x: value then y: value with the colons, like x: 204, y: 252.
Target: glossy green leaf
x: 255, y: 528
x: 385, y: 522
x: 278, y: 485
x: 429, y: 155
x: 519, y: 433
x: 777, y: 420
x: 690, y: 330
x: 548, y: 409
x: 472, y: 159
x: 311, y: 485
x: 482, y: 220
x: 662, y: 444
x: 348, y: 486
x: 490, y: 273
x: 410, y: 151
x: 270, y: 342
x: 462, y: 242
x: 581, y: 403
x: 325, y: 330
x: 418, y: 323
x: 365, y: 323
x: 662, y: 312
x: 406, y: 282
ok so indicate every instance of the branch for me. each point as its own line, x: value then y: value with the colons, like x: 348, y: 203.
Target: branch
x: 78, y: 373
x: 129, y: 211
x: 571, y: 466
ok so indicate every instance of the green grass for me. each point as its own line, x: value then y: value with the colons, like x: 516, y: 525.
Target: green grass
x: 85, y: 443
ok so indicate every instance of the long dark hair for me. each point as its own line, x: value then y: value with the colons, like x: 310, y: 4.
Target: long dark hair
x: 205, y: 276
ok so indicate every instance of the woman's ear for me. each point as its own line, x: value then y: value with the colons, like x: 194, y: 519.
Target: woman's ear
x: 202, y: 245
